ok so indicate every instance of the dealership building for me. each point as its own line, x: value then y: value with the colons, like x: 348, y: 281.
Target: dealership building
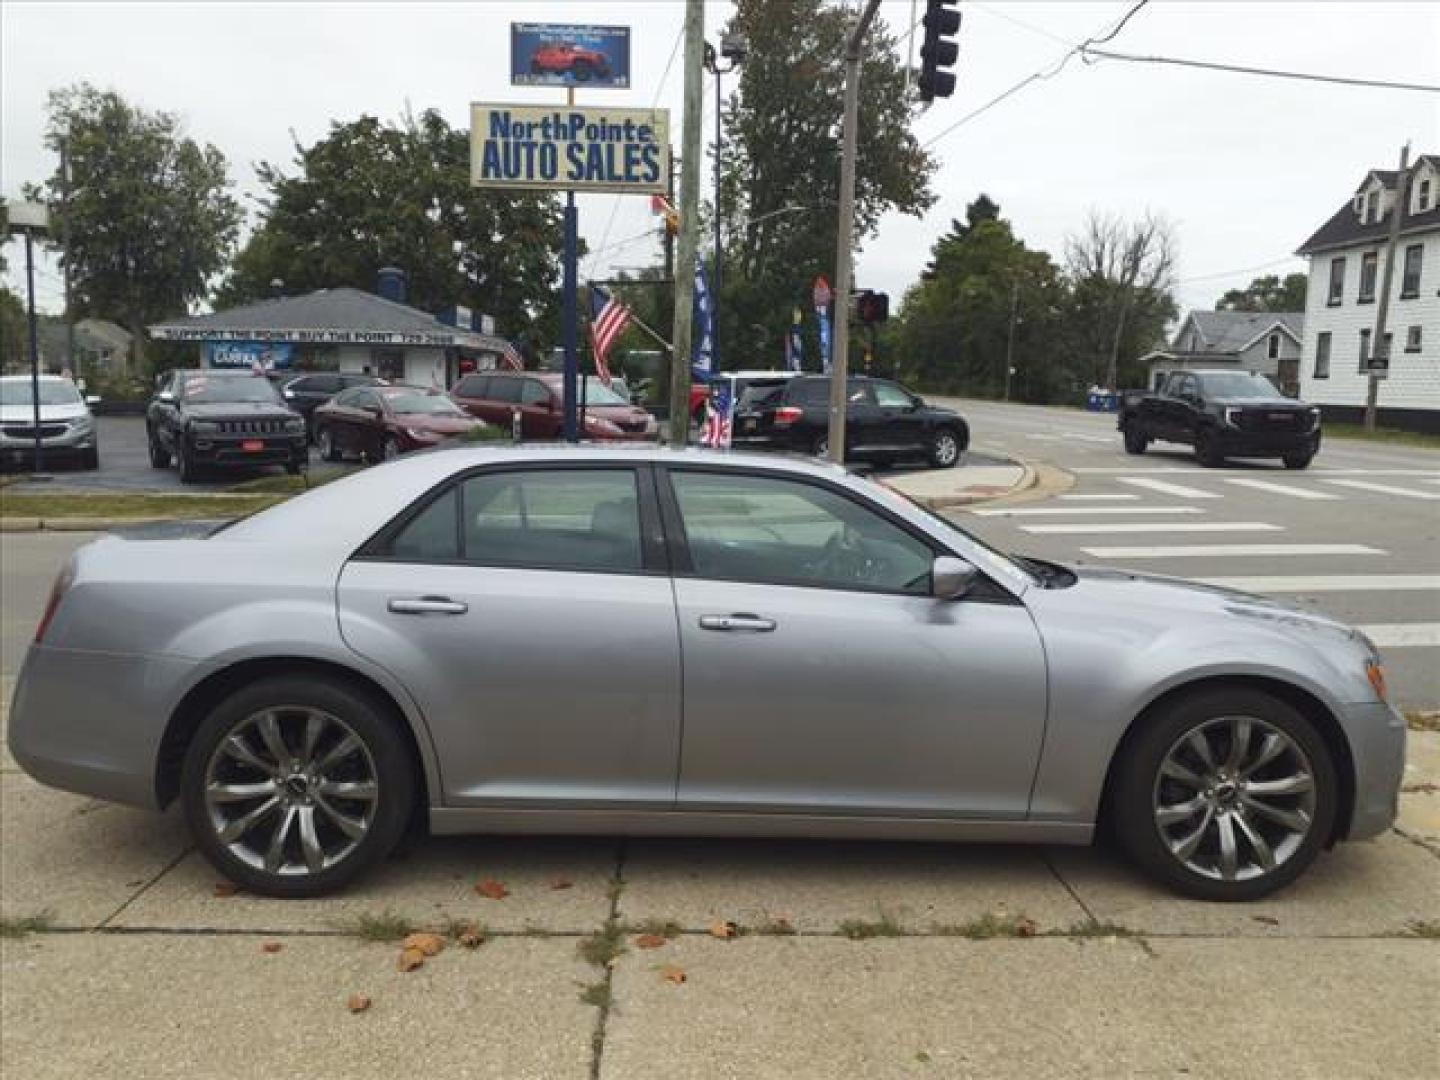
x: 345, y: 330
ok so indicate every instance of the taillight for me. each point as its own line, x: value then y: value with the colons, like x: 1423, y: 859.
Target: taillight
x: 788, y: 414
x: 63, y: 581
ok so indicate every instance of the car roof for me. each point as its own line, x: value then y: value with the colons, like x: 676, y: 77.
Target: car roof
x: 43, y: 378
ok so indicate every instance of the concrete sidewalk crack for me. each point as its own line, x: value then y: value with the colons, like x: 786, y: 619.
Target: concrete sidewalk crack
x: 1045, y: 858
x: 104, y: 924
x: 604, y: 998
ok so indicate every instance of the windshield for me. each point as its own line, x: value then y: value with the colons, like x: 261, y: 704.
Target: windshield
x: 597, y: 393
x: 17, y: 392
x: 422, y: 404
x: 229, y: 388
x: 1234, y: 385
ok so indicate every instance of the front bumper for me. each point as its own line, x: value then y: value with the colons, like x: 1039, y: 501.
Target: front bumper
x: 92, y: 723
x: 1376, y: 733
x: 72, y: 442
x: 1266, y: 443
x: 220, y: 450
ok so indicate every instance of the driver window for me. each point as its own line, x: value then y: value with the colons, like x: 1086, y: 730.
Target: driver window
x: 890, y: 396
x: 769, y: 529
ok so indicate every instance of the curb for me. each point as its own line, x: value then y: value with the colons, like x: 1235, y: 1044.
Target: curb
x: 1028, y: 479
x: 79, y: 524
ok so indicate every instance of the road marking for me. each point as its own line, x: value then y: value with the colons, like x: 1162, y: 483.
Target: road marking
x: 1168, y: 488
x: 1112, y: 495
x: 1329, y: 583
x: 1182, y: 551
x: 1281, y: 489
x: 1152, y: 527
x: 1403, y: 635
x: 1073, y: 510
x: 1386, y: 489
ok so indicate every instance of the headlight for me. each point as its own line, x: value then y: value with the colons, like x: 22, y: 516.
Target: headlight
x: 204, y: 427
x: 599, y: 426
x: 1232, y: 417
x: 420, y: 434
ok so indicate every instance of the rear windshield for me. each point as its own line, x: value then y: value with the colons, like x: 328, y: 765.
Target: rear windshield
x: 238, y: 388
x: 759, y: 395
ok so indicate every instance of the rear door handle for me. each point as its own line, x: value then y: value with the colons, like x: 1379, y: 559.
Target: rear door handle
x: 427, y: 605
x: 740, y: 622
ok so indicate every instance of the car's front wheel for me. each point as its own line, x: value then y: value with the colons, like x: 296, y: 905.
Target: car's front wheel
x: 1207, y: 453
x: 1135, y: 442
x: 295, y: 785
x: 329, y: 449
x: 159, y: 456
x: 1226, y: 794
x: 945, y: 449
x: 183, y: 463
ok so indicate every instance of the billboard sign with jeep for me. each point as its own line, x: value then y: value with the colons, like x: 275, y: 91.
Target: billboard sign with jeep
x: 562, y: 54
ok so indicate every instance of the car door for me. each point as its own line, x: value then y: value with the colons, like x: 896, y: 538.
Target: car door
x: 1187, y: 410
x: 864, y: 427
x: 900, y: 423
x: 820, y: 675
x: 528, y: 612
x: 541, y: 416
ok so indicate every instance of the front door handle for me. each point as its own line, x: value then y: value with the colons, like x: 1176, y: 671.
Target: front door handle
x: 427, y: 605
x: 740, y: 622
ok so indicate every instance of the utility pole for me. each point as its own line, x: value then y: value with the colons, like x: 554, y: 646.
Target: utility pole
x: 70, y: 361
x: 569, y: 325
x: 840, y: 363
x: 691, y: 153
x: 1010, y: 340
x: 1378, y: 350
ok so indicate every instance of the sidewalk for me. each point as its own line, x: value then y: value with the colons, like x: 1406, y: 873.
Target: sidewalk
x: 940, y: 489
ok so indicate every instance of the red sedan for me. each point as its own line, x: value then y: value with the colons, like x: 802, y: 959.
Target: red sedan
x: 562, y: 57
x: 378, y: 423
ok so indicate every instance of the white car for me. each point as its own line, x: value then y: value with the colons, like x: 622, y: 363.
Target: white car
x: 67, y: 429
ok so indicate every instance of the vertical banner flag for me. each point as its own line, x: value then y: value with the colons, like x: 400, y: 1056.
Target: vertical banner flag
x: 820, y: 293
x: 608, y: 319
x: 794, y: 343
x: 719, y: 416
x: 702, y: 356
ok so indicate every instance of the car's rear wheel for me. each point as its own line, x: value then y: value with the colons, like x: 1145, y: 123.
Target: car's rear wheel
x: 159, y: 456
x: 325, y: 439
x: 389, y: 449
x: 1135, y: 442
x: 295, y: 785
x: 1299, y: 461
x: 945, y: 449
x: 1227, y: 794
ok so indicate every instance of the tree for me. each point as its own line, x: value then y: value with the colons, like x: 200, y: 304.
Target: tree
x: 780, y: 163
x: 1268, y: 293
x: 14, y: 333
x: 373, y: 194
x: 148, y: 217
x: 1121, y: 275
x: 953, y: 333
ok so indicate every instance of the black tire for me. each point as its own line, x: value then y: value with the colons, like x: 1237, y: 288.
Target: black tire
x: 1138, y: 779
x: 1205, y: 452
x: 389, y: 449
x: 159, y: 456
x: 947, y: 448
x: 325, y: 440
x: 1135, y: 442
x: 188, y: 472
x: 582, y: 71
x: 820, y: 446
x: 1299, y: 461
x: 90, y: 459
x: 368, y: 719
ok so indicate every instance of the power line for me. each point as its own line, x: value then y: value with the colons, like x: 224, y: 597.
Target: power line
x: 1049, y: 72
x: 1243, y: 270
x: 1307, y: 76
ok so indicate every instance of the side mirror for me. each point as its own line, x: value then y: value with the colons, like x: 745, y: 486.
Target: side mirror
x: 952, y: 578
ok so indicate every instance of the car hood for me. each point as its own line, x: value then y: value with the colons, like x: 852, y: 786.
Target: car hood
x: 1260, y: 404
x: 20, y: 414
x: 232, y: 410
x: 1110, y: 589
x: 440, y: 425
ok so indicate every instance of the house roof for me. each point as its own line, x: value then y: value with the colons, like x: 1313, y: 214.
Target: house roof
x: 1345, y: 227
x: 1235, y: 331
x: 327, y: 316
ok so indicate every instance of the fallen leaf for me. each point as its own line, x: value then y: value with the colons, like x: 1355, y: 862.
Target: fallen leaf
x: 561, y: 883
x: 492, y: 889
x: 1026, y: 928
x: 429, y: 944
x: 358, y: 1003
x: 472, y: 939
x: 410, y: 959
x: 271, y: 947
x: 723, y: 929
x: 1268, y: 920
x: 671, y: 973
x: 226, y: 888
x: 649, y: 941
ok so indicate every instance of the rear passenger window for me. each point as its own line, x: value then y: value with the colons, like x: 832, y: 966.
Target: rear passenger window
x: 811, y: 392
x: 534, y: 393
x: 433, y: 535
x: 563, y: 519
x: 505, y: 390
x: 473, y: 386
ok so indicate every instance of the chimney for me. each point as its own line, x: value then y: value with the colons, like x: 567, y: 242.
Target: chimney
x: 390, y: 284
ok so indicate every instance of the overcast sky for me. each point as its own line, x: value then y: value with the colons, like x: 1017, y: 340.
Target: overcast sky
x: 1246, y: 167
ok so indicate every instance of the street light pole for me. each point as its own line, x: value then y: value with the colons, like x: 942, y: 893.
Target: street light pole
x: 34, y: 349
x: 839, y: 368
x: 733, y: 47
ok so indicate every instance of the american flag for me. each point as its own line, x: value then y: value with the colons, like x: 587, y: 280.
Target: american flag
x: 719, y: 416
x: 608, y: 319
x: 510, y: 356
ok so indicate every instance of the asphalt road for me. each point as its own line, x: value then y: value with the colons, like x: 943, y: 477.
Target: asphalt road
x: 1356, y: 535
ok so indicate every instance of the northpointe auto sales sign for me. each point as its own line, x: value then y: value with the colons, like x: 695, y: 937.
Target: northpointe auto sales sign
x: 574, y: 148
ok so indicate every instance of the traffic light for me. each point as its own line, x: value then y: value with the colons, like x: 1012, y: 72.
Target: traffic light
x: 872, y: 307
x: 940, y: 51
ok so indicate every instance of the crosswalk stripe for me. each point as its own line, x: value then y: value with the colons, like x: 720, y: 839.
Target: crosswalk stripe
x: 1385, y: 489
x: 1282, y: 489
x: 1296, y: 583
x: 1073, y: 528
x: 1403, y: 635
x: 1072, y: 511
x: 1168, y: 488
x: 1181, y: 551
x: 1098, y: 496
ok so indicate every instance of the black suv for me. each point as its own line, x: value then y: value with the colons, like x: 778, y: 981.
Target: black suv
x: 884, y: 422
x: 304, y: 393
x: 208, y: 417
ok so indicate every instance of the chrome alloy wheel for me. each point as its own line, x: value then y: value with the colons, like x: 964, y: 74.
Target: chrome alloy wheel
x: 947, y: 449
x: 1234, y: 798
x: 291, y: 790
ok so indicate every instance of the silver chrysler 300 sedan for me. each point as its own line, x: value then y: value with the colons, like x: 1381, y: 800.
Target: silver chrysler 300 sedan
x: 638, y: 640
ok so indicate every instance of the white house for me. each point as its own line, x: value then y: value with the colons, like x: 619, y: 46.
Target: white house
x: 1347, y: 261
x: 1265, y: 342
